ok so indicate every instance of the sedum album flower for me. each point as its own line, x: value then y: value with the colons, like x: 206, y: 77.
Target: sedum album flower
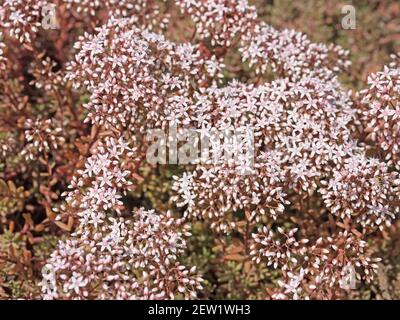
x: 290, y: 53
x: 365, y: 191
x: 323, y: 268
x: 380, y: 108
x: 22, y: 18
x: 110, y: 256
x: 41, y: 137
x: 220, y: 20
x: 300, y: 133
x: 146, y: 13
x: 133, y: 75
x: 122, y: 258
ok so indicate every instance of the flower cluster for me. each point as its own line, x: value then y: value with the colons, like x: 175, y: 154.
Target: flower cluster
x: 122, y: 258
x: 220, y: 21
x: 318, y: 270
x: 301, y: 133
x: 365, y: 191
x: 21, y: 18
x: 132, y: 74
x: 380, y: 107
x: 41, y: 137
x: 110, y: 256
x: 105, y: 173
x: 215, y: 192
x: 45, y: 76
x: 147, y: 13
x: 292, y: 54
